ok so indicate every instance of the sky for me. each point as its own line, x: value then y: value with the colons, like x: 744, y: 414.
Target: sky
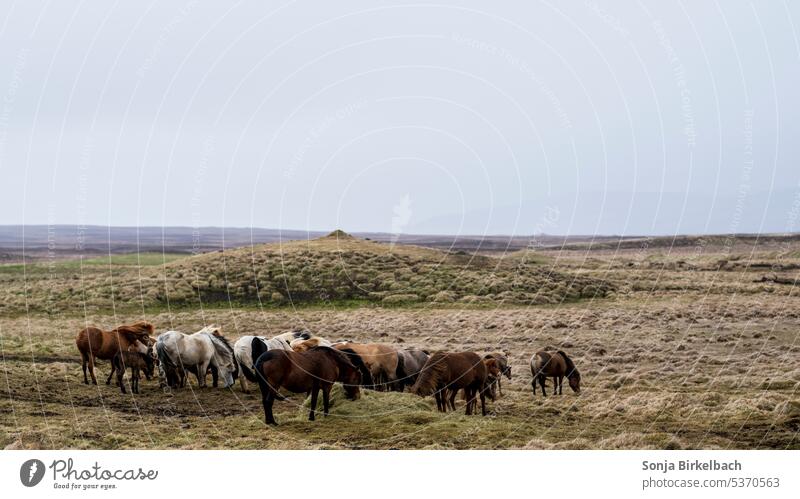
x: 409, y: 117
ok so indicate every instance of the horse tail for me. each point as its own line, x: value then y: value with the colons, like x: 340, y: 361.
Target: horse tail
x: 250, y: 375
x: 257, y: 347
x: 401, y: 374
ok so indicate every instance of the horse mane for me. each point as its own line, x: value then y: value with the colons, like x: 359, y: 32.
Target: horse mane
x: 433, y: 371
x: 137, y: 329
x: 212, y: 330
x: 341, y: 359
x: 571, y: 369
x: 358, y: 362
x: 222, y: 347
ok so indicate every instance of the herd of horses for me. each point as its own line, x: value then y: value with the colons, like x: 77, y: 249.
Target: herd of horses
x: 300, y: 362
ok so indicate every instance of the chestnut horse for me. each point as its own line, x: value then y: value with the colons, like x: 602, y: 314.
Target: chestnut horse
x: 311, y: 371
x: 556, y: 365
x: 94, y: 343
x: 453, y: 371
x: 380, y: 359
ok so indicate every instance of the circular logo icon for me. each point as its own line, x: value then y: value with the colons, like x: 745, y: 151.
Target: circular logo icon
x: 31, y: 472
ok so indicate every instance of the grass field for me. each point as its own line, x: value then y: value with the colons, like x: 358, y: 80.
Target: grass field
x: 687, y: 349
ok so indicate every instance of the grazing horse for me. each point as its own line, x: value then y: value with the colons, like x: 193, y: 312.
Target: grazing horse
x: 453, y: 371
x: 311, y: 371
x: 138, y: 357
x: 301, y: 345
x: 207, y: 348
x: 492, y: 373
x: 242, y: 349
x: 494, y: 382
x: 409, y: 365
x: 380, y: 359
x: 94, y: 343
x: 557, y: 365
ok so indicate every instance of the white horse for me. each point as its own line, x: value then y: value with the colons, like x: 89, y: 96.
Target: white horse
x: 243, y: 350
x: 179, y: 352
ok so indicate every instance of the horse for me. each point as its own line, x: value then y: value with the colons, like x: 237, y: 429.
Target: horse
x: 380, y: 359
x: 492, y: 374
x: 138, y: 357
x: 301, y: 345
x: 207, y: 348
x: 557, y: 365
x: 409, y: 365
x: 95, y: 343
x: 453, y: 371
x: 242, y: 349
x: 495, y: 386
x: 311, y: 371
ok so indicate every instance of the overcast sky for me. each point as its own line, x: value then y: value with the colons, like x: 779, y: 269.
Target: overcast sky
x: 415, y: 117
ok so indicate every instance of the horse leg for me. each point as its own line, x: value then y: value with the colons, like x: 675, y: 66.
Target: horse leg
x: 470, y: 393
x: 113, y: 368
x: 214, y: 376
x: 135, y: 380
x: 268, y: 400
x: 561, y: 385
x: 91, y: 368
x: 83, y: 366
x: 439, y: 402
x: 243, y: 383
x: 483, y: 403
x: 201, y: 374
x: 533, y: 384
x: 326, y: 399
x: 120, y: 378
x: 541, y: 383
x: 314, y: 394
x: 453, y: 394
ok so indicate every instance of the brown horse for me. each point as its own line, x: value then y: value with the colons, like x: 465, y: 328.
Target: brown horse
x: 453, y: 371
x: 380, y: 359
x: 94, y: 343
x: 556, y: 365
x: 311, y: 371
x: 138, y: 357
x: 495, y: 386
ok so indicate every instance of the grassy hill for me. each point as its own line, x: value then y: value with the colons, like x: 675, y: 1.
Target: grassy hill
x: 334, y: 268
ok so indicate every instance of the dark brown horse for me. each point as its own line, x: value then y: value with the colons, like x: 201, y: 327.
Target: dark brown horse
x: 311, y: 371
x: 94, y: 343
x: 495, y: 387
x: 138, y: 358
x: 453, y: 371
x: 556, y: 365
